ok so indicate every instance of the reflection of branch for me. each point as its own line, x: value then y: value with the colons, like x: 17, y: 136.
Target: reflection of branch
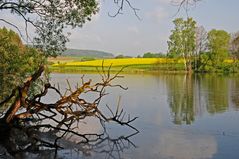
x: 111, y: 147
x: 63, y: 116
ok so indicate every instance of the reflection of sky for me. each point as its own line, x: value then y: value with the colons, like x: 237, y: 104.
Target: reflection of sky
x: 147, y: 97
x: 184, y: 146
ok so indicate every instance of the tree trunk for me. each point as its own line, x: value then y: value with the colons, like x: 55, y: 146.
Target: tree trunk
x: 12, y: 110
x: 189, y: 67
x: 20, y: 97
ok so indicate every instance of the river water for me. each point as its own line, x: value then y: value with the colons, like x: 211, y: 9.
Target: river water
x: 181, y: 117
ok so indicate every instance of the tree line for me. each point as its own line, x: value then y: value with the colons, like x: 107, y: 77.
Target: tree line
x: 203, y: 51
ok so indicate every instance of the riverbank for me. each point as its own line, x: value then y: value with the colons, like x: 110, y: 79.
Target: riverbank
x: 130, y: 65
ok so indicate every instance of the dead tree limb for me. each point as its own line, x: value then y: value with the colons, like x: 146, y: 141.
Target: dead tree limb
x: 22, y: 93
x: 64, y: 115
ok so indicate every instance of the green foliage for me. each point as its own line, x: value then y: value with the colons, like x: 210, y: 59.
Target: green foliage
x: 122, y: 56
x: 50, y: 18
x: 218, y: 51
x: 218, y: 46
x: 190, y: 43
x: 17, y: 61
x: 182, y: 41
x: 153, y: 55
x: 119, y: 56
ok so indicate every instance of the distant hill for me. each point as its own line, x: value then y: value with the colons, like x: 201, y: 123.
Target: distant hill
x: 87, y: 53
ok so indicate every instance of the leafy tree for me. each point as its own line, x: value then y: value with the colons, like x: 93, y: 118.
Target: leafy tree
x: 17, y: 61
x: 15, y: 57
x: 153, y: 55
x: 182, y: 41
x: 218, y: 45
x: 148, y: 55
x: 122, y: 56
x: 49, y: 18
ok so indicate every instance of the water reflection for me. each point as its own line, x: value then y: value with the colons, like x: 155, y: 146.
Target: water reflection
x: 181, y: 145
x: 234, y: 93
x: 191, y: 96
x: 180, y: 117
x: 181, y: 98
x: 100, y: 148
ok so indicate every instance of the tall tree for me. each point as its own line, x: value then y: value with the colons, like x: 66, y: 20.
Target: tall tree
x: 182, y: 41
x: 218, y: 45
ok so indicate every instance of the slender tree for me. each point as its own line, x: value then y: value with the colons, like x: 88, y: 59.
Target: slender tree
x: 182, y: 41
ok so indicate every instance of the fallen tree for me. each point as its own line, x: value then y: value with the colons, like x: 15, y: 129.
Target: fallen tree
x: 30, y: 117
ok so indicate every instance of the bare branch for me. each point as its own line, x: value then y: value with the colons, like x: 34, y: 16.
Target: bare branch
x: 121, y: 4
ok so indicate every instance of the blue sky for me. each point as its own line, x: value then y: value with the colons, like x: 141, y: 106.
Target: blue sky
x: 127, y: 35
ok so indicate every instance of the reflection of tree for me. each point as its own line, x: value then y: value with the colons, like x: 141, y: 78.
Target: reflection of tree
x: 103, y: 147
x: 234, y: 89
x: 29, y: 116
x: 180, y: 94
x: 189, y: 96
x: 215, y: 92
x: 107, y: 146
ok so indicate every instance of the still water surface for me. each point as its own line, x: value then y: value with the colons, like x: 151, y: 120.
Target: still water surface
x: 179, y: 117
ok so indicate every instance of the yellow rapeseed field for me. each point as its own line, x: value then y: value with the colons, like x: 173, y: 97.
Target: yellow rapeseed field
x: 122, y: 62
